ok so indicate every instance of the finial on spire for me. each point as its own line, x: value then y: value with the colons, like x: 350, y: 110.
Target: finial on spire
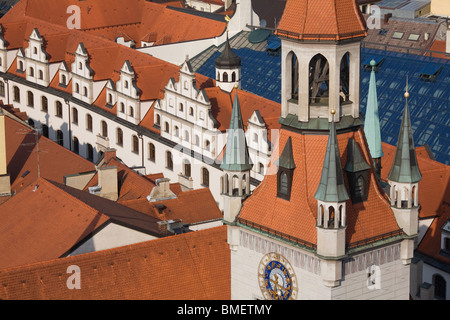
x: 406, y: 89
x: 227, y: 19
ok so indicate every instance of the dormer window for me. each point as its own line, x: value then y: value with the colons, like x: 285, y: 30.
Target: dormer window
x: 357, y: 172
x: 63, y: 79
x: 285, y: 174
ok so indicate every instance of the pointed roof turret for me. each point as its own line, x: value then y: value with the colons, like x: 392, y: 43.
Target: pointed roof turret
x: 332, y: 186
x: 227, y: 59
x: 405, y: 168
x: 372, y: 121
x: 236, y: 156
x: 355, y: 160
x: 286, y: 159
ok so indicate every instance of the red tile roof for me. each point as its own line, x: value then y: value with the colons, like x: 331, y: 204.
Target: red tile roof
x: 191, y: 266
x: 43, y: 223
x: 55, y: 161
x: 135, y: 19
x: 297, y: 217
x: 321, y: 20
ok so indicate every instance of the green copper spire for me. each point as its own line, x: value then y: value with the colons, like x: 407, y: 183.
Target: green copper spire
x: 372, y: 120
x: 286, y: 159
x: 405, y: 168
x: 332, y: 186
x: 236, y: 157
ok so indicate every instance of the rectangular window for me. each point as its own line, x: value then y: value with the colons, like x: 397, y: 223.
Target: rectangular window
x: 414, y: 37
x: 397, y: 35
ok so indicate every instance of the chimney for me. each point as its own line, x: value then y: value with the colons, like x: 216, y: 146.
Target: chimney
x: 109, y: 154
x: 107, y: 183
x: 161, y: 191
x: 5, y: 183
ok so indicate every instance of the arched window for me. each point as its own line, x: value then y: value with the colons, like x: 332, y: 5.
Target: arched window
x: 45, y: 130
x: 318, y: 77
x: 119, y: 137
x: 151, y: 152
x: 225, y: 77
x: 158, y: 119
x: 233, y: 77
x: 30, y: 99
x: 205, y: 177
x: 104, y: 126
x: 60, y: 137
x: 85, y: 91
x: 176, y: 131
x: 166, y: 127
x: 109, y: 98
x: 41, y: 75
x: 75, y: 115
x: 31, y: 122
x: 181, y: 107
x: 255, y: 137
x: 31, y: 72
x: 89, y: 122
x: 131, y: 114
x: 34, y: 50
x: 77, y: 88
x: 186, y: 86
x: 218, y: 76
x: 440, y: 287
x: 284, y: 183
x: 197, y: 140
x: 63, y: 79
x: 76, y: 145
x: 2, y: 89
x: 80, y: 65
x: 16, y: 95
x: 58, y: 109
x: 345, y: 77
x: 187, y: 168
x: 186, y: 136
x: 191, y: 111
x: 261, y: 168
x: 207, y: 145
x: 331, y: 217
x: 20, y: 65
x: 89, y: 152
x: 135, y: 144
x: 293, y: 67
x: 122, y: 107
x: 169, y: 160
x: 44, y: 104
x: 126, y: 84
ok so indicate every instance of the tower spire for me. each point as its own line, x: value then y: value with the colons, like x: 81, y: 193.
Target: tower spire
x: 372, y: 129
x: 405, y: 168
x: 331, y: 186
x: 236, y: 157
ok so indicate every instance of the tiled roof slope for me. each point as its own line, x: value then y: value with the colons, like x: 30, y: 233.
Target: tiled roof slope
x: 55, y: 161
x: 321, y: 20
x: 136, y: 20
x: 431, y: 242
x: 297, y: 218
x: 196, y: 267
x: 434, y: 186
x: 42, y: 222
x: 193, y: 206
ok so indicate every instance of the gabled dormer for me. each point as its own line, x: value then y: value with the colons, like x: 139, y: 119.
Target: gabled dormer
x: 82, y: 75
x: 128, y: 94
x: 64, y: 74
x: 257, y: 133
x: 445, y: 238
x: 126, y: 84
x: 37, y: 59
x: 187, y: 79
x: 111, y: 93
x: 20, y: 60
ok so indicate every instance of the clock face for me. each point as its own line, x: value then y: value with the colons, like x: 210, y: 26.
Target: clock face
x: 276, y: 278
